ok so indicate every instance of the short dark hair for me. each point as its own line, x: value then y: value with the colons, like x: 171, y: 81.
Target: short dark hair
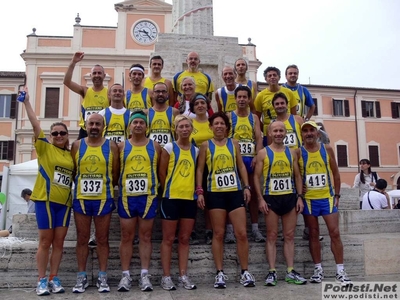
x: 26, y: 192
x: 243, y: 88
x: 223, y: 116
x: 157, y: 57
x: 291, y: 66
x: 269, y: 69
x: 136, y: 66
x: 381, y: 184
x: 279, y: 95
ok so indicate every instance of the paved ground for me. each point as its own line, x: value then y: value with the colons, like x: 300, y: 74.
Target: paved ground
x: 203, y: 292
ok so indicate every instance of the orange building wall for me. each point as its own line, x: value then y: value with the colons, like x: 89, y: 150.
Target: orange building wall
x: 6, y: 128
x: 51, y: 42
x: 98, y: 38
x: 131, y: 19
x: 385, y: 134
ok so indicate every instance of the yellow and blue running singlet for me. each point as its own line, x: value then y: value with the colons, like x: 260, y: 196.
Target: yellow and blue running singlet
x: 221, y: 163
x: 160, y: 125
x: 93, y: 180
x: 242, y: 130
x: 138, y: 170
x: 138, y: 101
x: 180, y: 181
x: 93, y: 103
x: 116, y: 126
x: 278, y: 172
x: 293, y: 133
x: 316, y: 173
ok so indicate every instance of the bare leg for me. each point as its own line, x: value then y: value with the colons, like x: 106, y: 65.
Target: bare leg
x: 218, y: 220
x: 168, y: 229
x: 238, y: 217
x: 185, y: 229
x: 289, y: 221
x: 145, y: 246
x: 102, y: 225
x: 42, y: 255
x: 314, y: 243
x: 128, y: 227
x: 271, y: 222
x: 332, y: 222
x: 57, y: 249
x: 82, y: 223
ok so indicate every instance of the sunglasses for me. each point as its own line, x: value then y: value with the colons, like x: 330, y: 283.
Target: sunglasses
x: 56, y: 133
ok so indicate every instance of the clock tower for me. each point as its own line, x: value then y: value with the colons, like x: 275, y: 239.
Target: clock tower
x: 140, y: 22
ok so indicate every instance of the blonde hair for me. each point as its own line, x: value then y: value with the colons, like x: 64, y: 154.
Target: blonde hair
x: 181, y: 118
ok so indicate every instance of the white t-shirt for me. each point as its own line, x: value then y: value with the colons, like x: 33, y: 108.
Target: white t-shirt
x: 364, y: 187
x: 378, y: 200
x: 116, y: 111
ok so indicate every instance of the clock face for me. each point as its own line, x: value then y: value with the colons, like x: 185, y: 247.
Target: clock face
x: 145, y: 32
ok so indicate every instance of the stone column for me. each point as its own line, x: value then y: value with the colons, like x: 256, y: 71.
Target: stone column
x: 193, y: 17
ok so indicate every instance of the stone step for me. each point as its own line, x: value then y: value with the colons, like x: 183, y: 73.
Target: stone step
x: 365, y: 254
x: 350, y: 222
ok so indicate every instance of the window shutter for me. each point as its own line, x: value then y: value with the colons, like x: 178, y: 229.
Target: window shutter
x: 10, y: 150
x: 341, y: 151
x: 316, y: 107
x: 346, y: 108
x: 334, y: 113
x: 363, y: 109
x: 378, y: 109
x: 52, y: 103
x: 13, y: 107
x: 374, y: 155
x: 395, y: 111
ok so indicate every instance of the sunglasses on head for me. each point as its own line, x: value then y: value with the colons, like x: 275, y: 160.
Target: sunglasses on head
x: 56, y: 133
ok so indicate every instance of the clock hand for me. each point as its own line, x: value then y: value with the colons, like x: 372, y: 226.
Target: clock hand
x: 145, y: 32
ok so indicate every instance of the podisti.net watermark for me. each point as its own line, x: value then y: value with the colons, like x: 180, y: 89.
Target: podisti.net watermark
x: 361, y: 290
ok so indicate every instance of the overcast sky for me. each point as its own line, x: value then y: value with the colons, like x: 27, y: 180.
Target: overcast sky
x: 334, y: 42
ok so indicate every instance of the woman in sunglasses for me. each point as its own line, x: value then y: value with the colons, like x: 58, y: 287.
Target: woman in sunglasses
x: 52, y: 197
x: 365, y: 180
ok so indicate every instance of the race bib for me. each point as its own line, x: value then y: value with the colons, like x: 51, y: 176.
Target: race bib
x: 135, y: 186
x: 89, y: 112
x: 247, y: 148
x: 316, y: 181
x: 161, y: 138
x: 281, y: 184
x: 225, y: 180
x: 62, y: 177
x: 290, y: 139
x: 116, y: 138
x: 91, y: 187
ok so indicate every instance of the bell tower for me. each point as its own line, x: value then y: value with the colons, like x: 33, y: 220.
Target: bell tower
x: 193, y: 17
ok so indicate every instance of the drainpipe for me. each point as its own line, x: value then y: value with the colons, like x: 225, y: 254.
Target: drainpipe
x: 16, y: 120
x: 355, y: 119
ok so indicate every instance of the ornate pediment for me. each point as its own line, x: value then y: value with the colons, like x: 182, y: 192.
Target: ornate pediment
x: 143, y: 5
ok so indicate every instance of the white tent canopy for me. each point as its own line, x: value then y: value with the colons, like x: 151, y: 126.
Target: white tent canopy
x: 15, y: 179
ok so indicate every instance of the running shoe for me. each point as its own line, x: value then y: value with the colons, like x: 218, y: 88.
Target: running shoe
x: 144, y: 283
x: 271, y: 279
x: 42, y: 288
x: 81, y: 284
x: 247, y: 279
x: 317, y: 276
x: 294, y: 277
x: 167, y: 284
x: 185, y: 282
x: 258, y: 237
x: 230, y: 238
x: 220, y: 280
x: 343, y: 279
x: 55, y: 286
x: 102, y: 285
x: 125, y: 283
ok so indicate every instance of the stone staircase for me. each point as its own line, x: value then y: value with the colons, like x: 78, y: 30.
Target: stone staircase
x: 371, y: 243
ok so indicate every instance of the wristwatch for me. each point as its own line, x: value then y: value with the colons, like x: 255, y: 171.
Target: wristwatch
x: 337, y: 195
x: 301, y: 196
x: 247, y: 187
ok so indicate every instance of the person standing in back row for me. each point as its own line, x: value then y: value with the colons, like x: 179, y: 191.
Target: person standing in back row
x: 94, y: 98
x: 202, y: 80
